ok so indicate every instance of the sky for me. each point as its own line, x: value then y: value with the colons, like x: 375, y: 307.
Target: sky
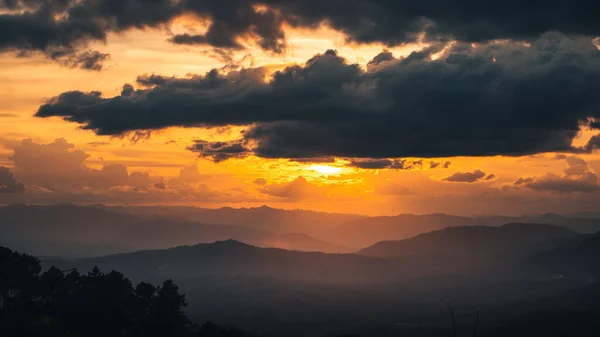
x: 376, y: 107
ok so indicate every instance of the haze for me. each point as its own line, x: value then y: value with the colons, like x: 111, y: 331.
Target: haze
x: 300, y: 168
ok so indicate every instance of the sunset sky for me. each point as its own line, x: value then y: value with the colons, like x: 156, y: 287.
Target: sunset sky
x: 357, y: 106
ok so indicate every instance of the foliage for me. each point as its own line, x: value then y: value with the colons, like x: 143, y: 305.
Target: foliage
x: 59, y: 303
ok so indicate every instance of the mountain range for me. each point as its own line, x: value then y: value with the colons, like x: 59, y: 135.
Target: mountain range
x: 274, y: 291
x: 69, y: 230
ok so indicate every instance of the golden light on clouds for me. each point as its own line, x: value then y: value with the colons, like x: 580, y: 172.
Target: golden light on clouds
x: 326, y: 169
x: 25, y: 83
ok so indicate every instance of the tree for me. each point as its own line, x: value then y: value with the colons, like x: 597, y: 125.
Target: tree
x: 59, y: 304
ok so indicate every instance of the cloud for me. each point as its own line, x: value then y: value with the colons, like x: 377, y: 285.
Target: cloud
x: 395, y: 164
x: 260, y: 181
x: 58, y: 172
x: 8, y: 182
x: 88, y: 60
x: 58, y: 29
x: 59, y: 166
x: 297, y: 189
x: 379, y: 164
x: 577, y: 177
x: 501, y: 98
x: 435, y: 164
x: 220, y: 151
x: 65, y: 26
x: 468, y: 177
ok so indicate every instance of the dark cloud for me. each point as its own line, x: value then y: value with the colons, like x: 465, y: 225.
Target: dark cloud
x: 577, y: 177
x: 501, y: 98
x: 220, y: 151
x: 89, y: 60
x: 231, y: 24
x: 467, y: 177
x: 393, y: 22
x: 395, y: 164
x: 8, y: 182
x: 594, y: 142
x: 378, y: 163
x: 490, y: 177
x: 436, y: 164
x: 260, y: 181
x: 65, y: 26
x: 56, y: 28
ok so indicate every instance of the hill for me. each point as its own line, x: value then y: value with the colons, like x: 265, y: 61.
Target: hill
x: 360, y: 233
x: 76, y: 231
x: 277, y: 221
x: 580, y: 257
x: 510, y: 240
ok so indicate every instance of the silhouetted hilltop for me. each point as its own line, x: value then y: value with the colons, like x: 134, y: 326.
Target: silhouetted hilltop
x: 76, y: 231
x: 274, y: 220
x: 231, y: 257
x: 509, y: 240
x: 362, y: 233
x: 302, y: 242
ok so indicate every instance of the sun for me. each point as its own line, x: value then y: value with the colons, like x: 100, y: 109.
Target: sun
x: 325, y: 169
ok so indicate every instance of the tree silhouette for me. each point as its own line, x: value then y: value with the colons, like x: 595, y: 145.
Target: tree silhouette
x: 97, y: 304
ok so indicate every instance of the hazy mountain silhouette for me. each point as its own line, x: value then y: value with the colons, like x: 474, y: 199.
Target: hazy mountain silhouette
x: 277, y: 292
x: 301, y: 242
x: 579, y: 257
x: 274, y: 220
x: 232, y: 257
x: 365, y: 232
x: 505, y: 241
x: 65, y: 230
x: 361, y: 233
x: 68, y: 230
x: 589, y: 215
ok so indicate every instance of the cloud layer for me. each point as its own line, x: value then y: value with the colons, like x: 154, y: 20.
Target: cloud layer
x: 57, y: 171
x: 501, y: 98
x: 8, y: 182
x: 577, y: 177
x: 61, y: 27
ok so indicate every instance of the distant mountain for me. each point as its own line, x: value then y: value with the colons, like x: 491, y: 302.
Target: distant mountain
x: 234, y: 258
x: 577, y: 223
x: 589, y: 215
x: 578, y: 257
x: 470, y: 242
x: 277, y: 292
x: 274, y: 220
x: 76, y: 231
x: 301, y: 242
x: 64, y: 230
x: 362, y: 233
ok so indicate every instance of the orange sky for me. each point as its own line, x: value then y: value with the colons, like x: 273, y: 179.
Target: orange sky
x: 27, y: 82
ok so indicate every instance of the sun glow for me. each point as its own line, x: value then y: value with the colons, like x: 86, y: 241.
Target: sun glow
x: 325, y: 169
